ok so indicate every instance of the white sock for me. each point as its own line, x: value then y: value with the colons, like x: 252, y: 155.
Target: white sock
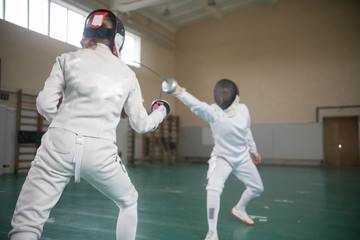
x: 127, y: 223
x: 24, y: 235
x: 245, y: 199
x: 213, y: 207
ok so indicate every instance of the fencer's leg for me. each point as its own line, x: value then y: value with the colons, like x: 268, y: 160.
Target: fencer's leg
x: 39, y: 194
x: 24, y: 235
x: 49, y: 174
x: 239, y: 210
x: 245, y: 199
x: 219, y: 171
x: 213, y: 207
x: 127, y: 223
x: 249, y: 174
x: 102, y: 168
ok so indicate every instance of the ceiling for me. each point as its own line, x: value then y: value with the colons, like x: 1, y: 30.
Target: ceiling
x: 174, y: 14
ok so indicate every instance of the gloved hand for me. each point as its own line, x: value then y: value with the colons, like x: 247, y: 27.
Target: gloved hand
x: 160, y: 102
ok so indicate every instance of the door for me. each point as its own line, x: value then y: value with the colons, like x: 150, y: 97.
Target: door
x: 341, y: 141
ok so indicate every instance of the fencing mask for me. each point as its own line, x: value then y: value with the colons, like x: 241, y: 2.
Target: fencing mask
x: 95, y: 27
x: 225, y: 92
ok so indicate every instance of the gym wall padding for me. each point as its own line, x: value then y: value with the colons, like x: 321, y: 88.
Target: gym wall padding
x: 285, y: 144
x: 7, y: 139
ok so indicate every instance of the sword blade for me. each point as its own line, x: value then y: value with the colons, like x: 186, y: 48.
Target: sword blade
x: 152, y: 70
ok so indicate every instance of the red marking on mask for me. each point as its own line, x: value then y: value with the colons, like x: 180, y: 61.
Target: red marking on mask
x: 98, y: 19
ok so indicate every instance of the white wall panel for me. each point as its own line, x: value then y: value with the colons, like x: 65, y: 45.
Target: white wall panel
x: 7, y: 139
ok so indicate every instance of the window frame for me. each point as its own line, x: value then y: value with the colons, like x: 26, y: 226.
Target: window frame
x: 136, y: 50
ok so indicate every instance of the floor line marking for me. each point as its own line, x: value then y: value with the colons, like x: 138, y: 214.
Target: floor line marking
x: 283, y: 201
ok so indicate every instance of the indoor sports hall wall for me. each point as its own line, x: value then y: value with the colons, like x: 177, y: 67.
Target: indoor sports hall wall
x: 287, y: 59
x: 280, y: 144
x: 27, y: 58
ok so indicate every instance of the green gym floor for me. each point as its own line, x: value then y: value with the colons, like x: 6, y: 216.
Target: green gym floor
x: 298, y: 203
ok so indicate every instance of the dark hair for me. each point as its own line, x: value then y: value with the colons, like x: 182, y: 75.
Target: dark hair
x: 103, y: 34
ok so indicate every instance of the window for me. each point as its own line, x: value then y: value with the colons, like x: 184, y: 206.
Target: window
x: 131, y: 50
x: 16, y: 12
x: 39, y: 15
x: 62, y: 21
x: 1, y: 9
x: 58, y: 22
x: 75, y: 29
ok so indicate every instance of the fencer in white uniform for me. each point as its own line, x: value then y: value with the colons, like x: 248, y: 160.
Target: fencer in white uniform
x: 80, y: 142
x: 234, y: 149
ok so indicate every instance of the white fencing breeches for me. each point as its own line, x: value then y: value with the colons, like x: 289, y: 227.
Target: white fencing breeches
x: 62, y: 155
x: 220, y: 169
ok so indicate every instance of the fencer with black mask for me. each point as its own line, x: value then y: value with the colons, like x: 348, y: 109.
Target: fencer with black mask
x: 95, y: 86
x: 234, y: 148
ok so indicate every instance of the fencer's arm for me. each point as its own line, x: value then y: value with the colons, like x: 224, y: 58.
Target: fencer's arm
x: 251, y: 142
x: 255, y: 156
x: 139, y: 119
x: 249, y: 137
x: 202, y: 109
x: 48, y: 98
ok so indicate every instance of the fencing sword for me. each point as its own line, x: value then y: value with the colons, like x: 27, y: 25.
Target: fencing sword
x: 168, y: 85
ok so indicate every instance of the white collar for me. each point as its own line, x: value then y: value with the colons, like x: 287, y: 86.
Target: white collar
x: 231, y: 110
x: 101, y: 45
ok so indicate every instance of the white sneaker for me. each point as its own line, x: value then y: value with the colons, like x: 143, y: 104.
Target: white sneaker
x: 242, y: 215
x: 211, y: 236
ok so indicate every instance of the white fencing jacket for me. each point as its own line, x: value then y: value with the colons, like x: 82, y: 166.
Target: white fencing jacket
x: 95, y: 86
x: 232, y: 135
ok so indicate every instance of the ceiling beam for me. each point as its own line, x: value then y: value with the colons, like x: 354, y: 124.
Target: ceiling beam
x: 126, y: 6
x: 157, y: 20
x: 211, y: 9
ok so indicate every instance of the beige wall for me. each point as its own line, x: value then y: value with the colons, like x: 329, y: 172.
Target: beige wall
x: 27, y: 59
x: 162, y: 61
x: 286, y: 58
